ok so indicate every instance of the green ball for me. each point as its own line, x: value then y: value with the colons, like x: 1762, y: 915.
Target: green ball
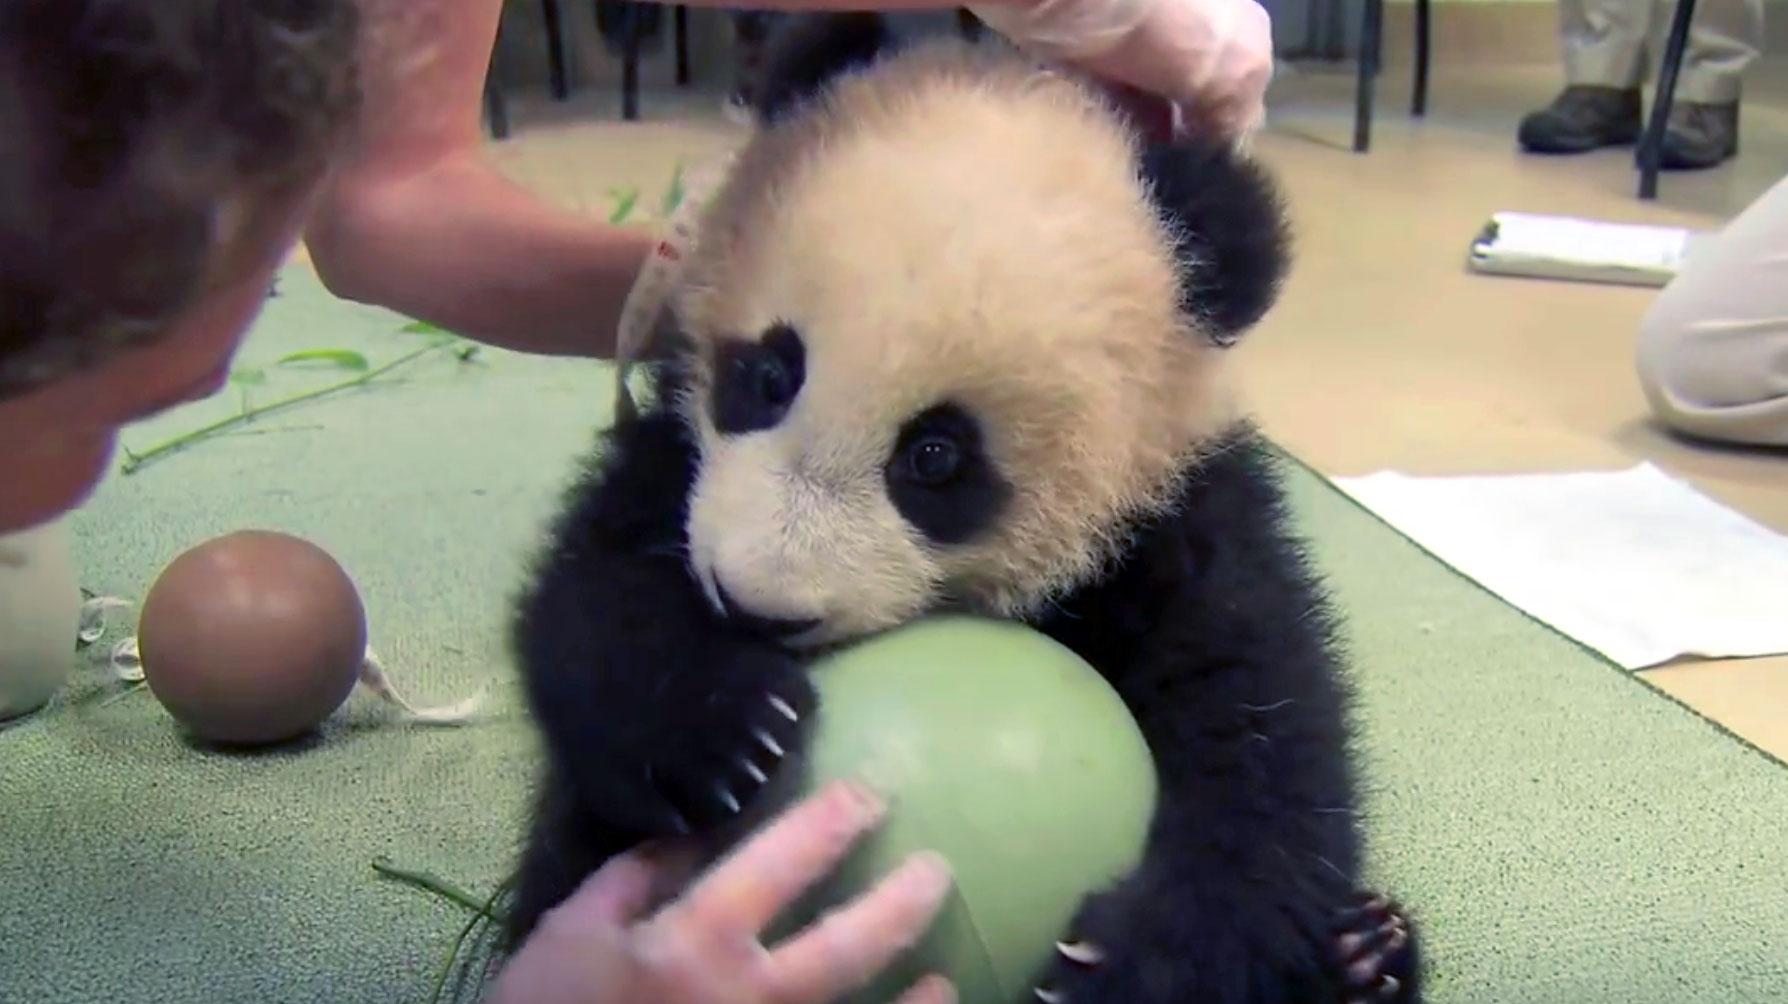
x: 1006, y: 753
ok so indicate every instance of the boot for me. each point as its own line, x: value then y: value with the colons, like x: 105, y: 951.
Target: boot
x: 1584, y: 117
x: 1699, y: 135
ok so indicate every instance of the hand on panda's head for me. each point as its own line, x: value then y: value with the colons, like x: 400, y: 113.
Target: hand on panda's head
x: 1231, y: 232
x: 1212, y: 58
x: 1209, y: 61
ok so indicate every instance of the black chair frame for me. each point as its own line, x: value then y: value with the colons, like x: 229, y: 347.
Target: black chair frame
x: 496, y: 107
x: 1371, y: 47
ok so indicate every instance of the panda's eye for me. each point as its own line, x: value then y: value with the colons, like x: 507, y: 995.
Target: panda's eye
x: 770, y: 376
x: 940, y: 477
x: 932, y: 460
x: 756, y: 382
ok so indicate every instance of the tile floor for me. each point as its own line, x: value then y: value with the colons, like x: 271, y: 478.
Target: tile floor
x: 1384, y: 352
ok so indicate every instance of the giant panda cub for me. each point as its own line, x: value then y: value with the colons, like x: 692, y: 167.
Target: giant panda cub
x: 953, y: 337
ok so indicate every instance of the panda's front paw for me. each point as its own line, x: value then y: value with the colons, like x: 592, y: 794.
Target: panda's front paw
x: 1074, y: 975
x: 1375, y: 951
x: 1141, y: 944
x: 1090, y: 963
x: 737, y: 736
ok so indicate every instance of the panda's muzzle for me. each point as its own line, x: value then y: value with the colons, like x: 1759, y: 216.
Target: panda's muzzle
x: 773, y: 627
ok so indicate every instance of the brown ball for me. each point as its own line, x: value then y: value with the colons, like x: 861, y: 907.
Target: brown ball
x: 252, y: 638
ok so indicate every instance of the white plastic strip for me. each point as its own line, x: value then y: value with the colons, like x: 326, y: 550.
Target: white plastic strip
x: 375, y: 679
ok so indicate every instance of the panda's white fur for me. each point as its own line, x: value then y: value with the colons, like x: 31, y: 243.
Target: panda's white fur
x: 959, y: 225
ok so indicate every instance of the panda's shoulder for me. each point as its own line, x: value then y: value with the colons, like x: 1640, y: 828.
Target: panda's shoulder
x: 1226, y: 545
x: 1231, y: 532
x: 1235, y: 488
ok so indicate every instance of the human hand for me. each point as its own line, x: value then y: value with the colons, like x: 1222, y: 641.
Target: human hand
x: 704, y: 947
x: 1212, y: 58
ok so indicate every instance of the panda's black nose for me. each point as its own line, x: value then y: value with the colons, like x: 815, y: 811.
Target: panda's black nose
x: 775, y: 627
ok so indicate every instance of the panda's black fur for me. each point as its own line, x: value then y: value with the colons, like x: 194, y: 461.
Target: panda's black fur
x: 1213, y: 628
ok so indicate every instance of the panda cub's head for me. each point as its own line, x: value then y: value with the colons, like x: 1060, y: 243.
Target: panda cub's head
x: 951, y: 328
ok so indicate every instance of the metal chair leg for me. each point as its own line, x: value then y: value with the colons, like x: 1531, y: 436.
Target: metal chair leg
x: 968, y: 25
x: 680, y: 19
x: 630, y: 45
x: 1418, y: 99
x: 630, y: 83
x: 555, y: 49
x: 496, y: 107
x: 1371, y: 39
x: 1651, y: 142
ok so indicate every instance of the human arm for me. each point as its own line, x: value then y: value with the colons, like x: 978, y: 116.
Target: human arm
x: 418, y: 218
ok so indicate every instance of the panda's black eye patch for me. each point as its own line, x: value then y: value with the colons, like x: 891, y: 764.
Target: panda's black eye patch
x: 755, y: 382
x: 940, y: 477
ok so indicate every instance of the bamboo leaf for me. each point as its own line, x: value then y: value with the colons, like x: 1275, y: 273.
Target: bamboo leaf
x: 673, y: 196
x: 627, y: 199
x: 247, y: 375
x: 344, y: 358
x: 135, y: 461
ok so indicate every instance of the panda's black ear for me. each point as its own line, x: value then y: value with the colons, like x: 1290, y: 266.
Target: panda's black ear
x: 1234, y: 241
x: 805, y: 52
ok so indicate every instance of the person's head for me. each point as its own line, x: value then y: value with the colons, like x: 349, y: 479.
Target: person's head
x: 159, y: 158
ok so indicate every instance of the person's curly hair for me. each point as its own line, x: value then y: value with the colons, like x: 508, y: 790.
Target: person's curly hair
x: 126, y: 126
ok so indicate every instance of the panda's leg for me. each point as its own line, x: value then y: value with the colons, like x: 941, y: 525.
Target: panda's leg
x: 564, y: 847
x: 1249, y: 890
x: 1221, y: 931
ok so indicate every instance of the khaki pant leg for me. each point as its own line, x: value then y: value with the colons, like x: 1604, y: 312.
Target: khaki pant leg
x: 1604, y: 41
x: 1613, y: 43
x: 1713, y: 348
x: 1724, y: 37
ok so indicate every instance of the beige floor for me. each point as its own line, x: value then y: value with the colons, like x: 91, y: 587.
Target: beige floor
x: 1385, y: 352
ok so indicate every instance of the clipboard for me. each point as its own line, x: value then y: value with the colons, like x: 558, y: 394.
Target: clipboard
x: 1542, y: 246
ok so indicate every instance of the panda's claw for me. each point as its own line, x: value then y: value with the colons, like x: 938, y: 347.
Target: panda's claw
x: 744, y: 724
x: 1377, y: 904
x: 1387, y: 937
x: 1385, y: 990
x: 769, y: 742
x: 1049, y: 996
x: 1080, y: 952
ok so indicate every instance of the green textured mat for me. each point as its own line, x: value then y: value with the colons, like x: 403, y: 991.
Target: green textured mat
x: 1566, y: 834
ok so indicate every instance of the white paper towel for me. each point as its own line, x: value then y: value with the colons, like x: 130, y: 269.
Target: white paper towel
x: 1634, y: 564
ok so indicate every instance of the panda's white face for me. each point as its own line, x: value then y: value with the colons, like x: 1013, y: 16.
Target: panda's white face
x: 827, y: 501
x: 920, y: 381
